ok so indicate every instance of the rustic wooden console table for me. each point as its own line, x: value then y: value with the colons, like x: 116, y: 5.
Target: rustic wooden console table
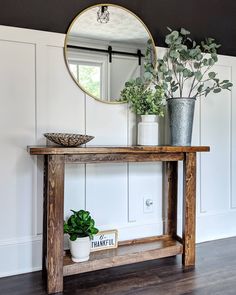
x: 55, y: 265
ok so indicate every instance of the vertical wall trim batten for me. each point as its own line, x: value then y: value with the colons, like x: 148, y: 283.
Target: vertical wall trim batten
x: 85, y: 165
x: 128, y: 180
x: 231, y: 145
x: 200, y: 158
x: 35, y: 176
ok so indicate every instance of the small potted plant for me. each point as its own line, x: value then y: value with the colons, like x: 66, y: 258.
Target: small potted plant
x: 81, y: 228
x: 185, y: 74
x: 147, y: 102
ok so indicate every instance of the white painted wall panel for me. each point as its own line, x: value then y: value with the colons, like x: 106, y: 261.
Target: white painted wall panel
x: 233, y: 141
x: 106, y: 184
x: 215, y: 131
x: 61, y: 108
x: 145, y: 181
x: 17, y: 129
x: 106, y: 197
x: 107, y: 122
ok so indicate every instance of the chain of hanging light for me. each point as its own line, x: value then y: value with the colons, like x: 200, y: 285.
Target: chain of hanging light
x: 103, y: 15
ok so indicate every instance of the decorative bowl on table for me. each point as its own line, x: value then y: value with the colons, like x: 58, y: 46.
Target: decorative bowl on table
x: 68, y: 139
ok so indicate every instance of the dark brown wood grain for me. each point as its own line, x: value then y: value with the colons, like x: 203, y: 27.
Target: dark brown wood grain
x: 171, y: 196
x: 144, y: 240
x: 55, y: 212
x: 57, y: 150
x: 119, y: 158
x: 45, y: 194
x: 123, y: 255
x: 189, y: 209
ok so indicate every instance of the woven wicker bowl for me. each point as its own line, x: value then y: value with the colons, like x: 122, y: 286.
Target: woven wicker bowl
x: 68, y: 139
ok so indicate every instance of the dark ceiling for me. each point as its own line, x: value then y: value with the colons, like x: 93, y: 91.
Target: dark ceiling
x: 204, y: 18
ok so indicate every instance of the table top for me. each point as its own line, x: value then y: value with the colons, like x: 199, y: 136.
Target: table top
x: 58, y: 150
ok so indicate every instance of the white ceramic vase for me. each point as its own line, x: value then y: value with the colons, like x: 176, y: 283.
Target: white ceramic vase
x: 80, y: 249
x: 148, y: 130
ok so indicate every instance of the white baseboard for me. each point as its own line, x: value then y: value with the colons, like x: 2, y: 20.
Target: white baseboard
x: 215, y: 226
x: 23, y: 255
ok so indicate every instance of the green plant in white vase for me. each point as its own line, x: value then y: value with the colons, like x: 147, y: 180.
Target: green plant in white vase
x: 146, y: 101
x: 81, y: 227
x: 185, y: 73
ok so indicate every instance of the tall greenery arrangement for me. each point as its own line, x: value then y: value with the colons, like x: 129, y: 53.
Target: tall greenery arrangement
x: 80, y: 224
x: 185, y: 69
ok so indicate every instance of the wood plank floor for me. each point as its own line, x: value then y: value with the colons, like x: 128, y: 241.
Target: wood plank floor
x: 214, y: 274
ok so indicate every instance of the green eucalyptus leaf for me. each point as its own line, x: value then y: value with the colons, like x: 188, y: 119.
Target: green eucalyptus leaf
x: 184, y: 32
x: 199, y: 57
x: 174, y: 54
x: 172, y: 37
x: 175, y: 88
x: 200, y: 88
x: 217, y: 90
x: 205, y: 62
x: 212, y: 75
x: 214, y: 57
x: 211, y: 62
x: 198, y: 75
x: 197, y: 65
x: 168, y: 79
x: 179, y: 68
x: 226, y: 85
x: 207, y: 91
x: 185, y: 73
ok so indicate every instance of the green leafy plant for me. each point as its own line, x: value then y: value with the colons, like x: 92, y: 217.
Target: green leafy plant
x: 79, y: 225
x: 185, y: 69
x: 143, y: 100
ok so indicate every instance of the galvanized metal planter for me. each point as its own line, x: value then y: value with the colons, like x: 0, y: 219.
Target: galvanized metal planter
x: 181, y: 114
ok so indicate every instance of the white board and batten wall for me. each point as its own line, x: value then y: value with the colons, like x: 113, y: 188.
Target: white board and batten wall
x: 37, y: 95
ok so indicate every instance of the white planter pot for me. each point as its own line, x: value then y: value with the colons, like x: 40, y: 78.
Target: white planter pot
x: 80, y: 249
x: 148, y: 130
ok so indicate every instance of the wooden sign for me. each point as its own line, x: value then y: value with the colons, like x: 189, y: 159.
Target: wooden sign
x: 103, y: 240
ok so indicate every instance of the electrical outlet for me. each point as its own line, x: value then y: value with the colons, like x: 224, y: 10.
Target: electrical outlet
x: 148, y: 204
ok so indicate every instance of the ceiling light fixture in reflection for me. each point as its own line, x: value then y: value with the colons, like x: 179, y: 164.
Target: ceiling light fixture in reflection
x: 103, y: 15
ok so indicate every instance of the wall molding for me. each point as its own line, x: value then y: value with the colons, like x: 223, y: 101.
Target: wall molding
x: 20, y: 240
x: 21, y: 255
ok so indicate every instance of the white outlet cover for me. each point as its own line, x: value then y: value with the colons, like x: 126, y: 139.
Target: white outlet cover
x: 148, y: 209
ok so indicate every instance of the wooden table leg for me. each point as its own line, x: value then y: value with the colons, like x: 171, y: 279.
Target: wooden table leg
x: 171, y: 191
x: 45, y: 192
x: 55, y: 214
x: 189, y: 209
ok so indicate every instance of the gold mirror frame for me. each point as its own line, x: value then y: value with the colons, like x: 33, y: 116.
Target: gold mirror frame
x: 66, y: 41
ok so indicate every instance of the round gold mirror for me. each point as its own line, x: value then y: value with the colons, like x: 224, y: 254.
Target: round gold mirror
x: 105, y: 47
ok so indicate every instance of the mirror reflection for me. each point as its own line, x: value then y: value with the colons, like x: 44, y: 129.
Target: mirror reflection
x: 105, y: 47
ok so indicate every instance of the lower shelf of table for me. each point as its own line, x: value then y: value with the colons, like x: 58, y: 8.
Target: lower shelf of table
x: 127, y: 253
